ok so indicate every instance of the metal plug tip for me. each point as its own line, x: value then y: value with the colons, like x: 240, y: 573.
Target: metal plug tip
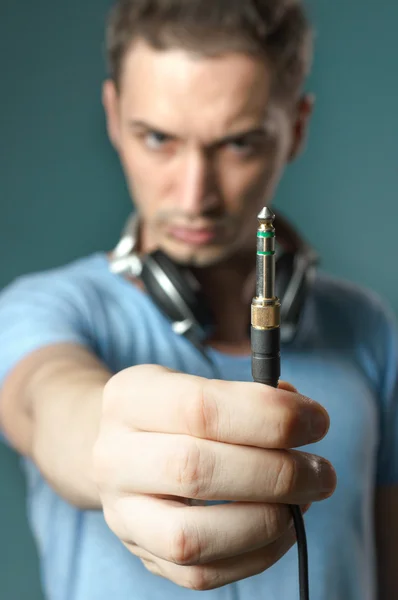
x: 266, y: 215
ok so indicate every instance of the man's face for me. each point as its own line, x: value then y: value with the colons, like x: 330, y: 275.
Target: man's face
x: 203, y: 146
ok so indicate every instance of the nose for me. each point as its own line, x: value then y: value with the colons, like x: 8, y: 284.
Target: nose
x: 198, y: 184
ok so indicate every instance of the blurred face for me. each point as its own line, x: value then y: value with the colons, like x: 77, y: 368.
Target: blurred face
x: 202, y: 145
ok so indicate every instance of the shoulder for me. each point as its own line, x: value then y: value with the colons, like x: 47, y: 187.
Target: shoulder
x: 356, y: 306
x: 82, y: 294
x: 357, y: 322
x: 83, y: 271
x: 86, y: 280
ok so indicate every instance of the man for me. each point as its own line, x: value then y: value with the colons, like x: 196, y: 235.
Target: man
x: 131, y: 448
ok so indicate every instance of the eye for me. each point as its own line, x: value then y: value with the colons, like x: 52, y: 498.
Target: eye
x: 241, y: 146
x: 155, y: 140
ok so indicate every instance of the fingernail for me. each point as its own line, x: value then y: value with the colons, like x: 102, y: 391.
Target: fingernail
x: 318, y: 425
x: 314, y: 419
x: 327, y: 478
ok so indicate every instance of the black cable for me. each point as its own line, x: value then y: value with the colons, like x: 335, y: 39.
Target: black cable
x: 302, y: 551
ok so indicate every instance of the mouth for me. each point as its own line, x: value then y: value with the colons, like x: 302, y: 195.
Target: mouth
x: 194, y: 236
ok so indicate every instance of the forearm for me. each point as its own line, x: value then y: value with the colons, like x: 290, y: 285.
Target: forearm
x: 61, y: 403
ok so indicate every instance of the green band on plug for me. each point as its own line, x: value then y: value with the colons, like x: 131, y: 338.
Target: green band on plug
x: 265, y: 234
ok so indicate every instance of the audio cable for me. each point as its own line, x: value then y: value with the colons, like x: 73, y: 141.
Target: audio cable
x: 265, y: 351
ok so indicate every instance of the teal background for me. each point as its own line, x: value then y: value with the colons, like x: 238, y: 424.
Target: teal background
x: 62, y: 193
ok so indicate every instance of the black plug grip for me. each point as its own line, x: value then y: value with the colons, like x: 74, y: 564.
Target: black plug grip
x: 266, y: 361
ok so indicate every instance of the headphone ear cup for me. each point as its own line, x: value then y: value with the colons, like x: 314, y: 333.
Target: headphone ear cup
x: 291, y: 286
x: 283, y: 273
x: 176, y: 292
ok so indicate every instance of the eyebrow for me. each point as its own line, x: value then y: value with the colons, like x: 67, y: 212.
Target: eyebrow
x: 260, y: 131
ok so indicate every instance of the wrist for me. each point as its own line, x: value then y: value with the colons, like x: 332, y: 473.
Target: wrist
x: 64, y: 433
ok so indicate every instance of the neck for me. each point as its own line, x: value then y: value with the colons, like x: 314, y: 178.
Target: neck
x: 229, y: 288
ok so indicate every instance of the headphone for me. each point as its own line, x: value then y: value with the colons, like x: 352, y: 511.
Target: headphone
x: 178, y: 294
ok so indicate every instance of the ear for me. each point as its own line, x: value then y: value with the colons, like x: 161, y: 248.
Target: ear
x: 302, y: 115
x: 110, y: 103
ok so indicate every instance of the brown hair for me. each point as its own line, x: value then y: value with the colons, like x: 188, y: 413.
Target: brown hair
x: 276, y: 30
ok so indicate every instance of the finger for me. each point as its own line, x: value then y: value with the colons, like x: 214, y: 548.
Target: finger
x: 149, y: 561
x: 285, y: 385
x: 201, y: 469
x: 191, y: 535
x: 245, y: 413
x: 222, y: 572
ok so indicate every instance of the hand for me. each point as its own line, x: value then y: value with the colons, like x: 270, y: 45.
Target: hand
x: 167, y: 439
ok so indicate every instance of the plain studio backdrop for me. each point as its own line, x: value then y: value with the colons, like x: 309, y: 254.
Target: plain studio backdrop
x: 62, y: 194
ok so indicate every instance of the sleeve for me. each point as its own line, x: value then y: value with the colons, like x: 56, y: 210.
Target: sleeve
x: 39, y: 310
x: 387, y: 460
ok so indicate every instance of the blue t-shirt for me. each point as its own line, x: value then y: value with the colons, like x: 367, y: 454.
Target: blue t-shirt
x: 345, y: 357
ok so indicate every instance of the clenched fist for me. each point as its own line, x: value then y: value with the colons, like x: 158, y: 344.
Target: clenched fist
x: 169, y: 441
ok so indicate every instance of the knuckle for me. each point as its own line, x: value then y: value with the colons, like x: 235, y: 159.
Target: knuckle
x: 191, y: 470
x: 286, y: 475
x: 104, y: 463
x: 101, y: 463
x: 112, y: 519
x: 184, y: 548
x: 202, y: 413
x: 150, y: 566
x: 201, y: 578
x: 107, y: 396
x: 287, y: 425
x: 111, y: 397
x: 116, y: 390
x: 116, y: 513
x: 273, y: 521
